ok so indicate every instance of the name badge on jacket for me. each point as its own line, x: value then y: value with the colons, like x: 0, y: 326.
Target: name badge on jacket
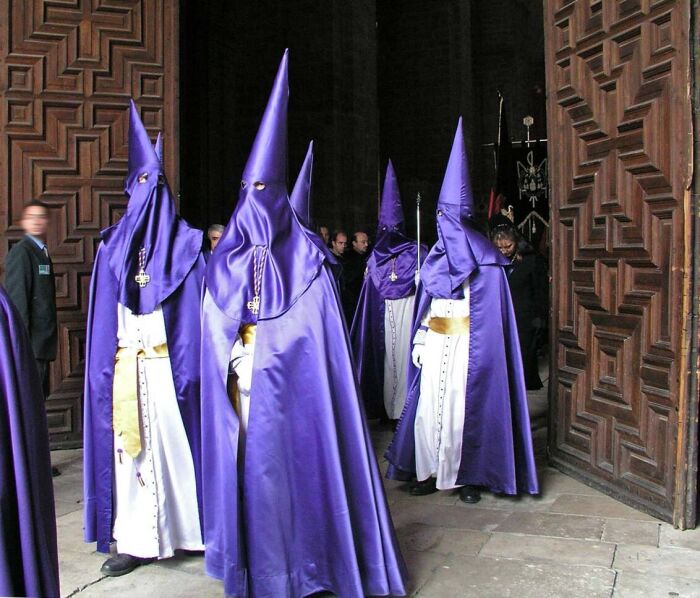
x: 44, y: 270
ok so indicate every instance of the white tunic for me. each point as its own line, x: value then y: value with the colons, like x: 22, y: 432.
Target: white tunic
x: 157, y: 515
x: 242, y: 364
x: 398, y: 316
x: 439, y: 424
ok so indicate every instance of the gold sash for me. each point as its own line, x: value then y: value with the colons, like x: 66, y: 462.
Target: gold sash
x: 449, y: 325
x: 125, y: 394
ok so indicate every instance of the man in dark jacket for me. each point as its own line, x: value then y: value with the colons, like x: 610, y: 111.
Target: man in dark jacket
x: 29, y: 281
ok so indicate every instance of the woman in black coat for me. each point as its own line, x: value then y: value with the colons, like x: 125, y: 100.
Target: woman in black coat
x: 529, y: 289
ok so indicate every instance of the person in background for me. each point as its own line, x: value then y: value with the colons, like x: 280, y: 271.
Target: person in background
x: 527, y: 280
x: 339, y: 243
x: 325, y: 234
x: 360, y: 243
x: 30, y: 284
x: 354, y: 265
x: 214, y: 233
x: 29, y: 280
x: 381, y: 328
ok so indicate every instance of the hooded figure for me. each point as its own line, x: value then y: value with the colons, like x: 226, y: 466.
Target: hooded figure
x: 293, y: 500
x: 28, y: 552
x: 381, y: 329
x: 300, y: 199
x: 466, y: 421
x: 142, y: 424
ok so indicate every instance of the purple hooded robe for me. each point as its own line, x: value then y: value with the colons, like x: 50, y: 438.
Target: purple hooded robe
x: 176, y: 266
x: 393, y: 252
x: 304, y: 510
x: 28, y: 552
x: 497, y: 443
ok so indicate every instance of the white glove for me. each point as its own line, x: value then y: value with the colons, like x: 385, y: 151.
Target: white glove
x: 243, y: 366
x: 417, y: 355
x: 241, y: 363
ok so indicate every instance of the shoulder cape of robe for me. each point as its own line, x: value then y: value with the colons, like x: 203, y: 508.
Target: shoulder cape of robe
x: 305, y: 509
x: 497, y: 443
x: 28, y: 552
x: 367, y: 332
x: 181, y: 315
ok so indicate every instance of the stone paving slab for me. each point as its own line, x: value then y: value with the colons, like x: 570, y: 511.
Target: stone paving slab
x: 638, y: 585
x: 549, y: 550
x: 689, y: 538
x: 553, y: 482
x: 620, y: 531
x: 421, y: 567
x: 597, y: 506
x: 154, y: 582
x: 416, y: 510
x: 670, y: 562
x: 498, y: 578
x: 460, y: 542
x: 553, y: 525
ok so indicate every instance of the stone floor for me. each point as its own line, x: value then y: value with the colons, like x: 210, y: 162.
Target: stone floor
x: 570, y: 541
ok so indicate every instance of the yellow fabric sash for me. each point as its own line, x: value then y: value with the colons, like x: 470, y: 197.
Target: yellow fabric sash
x: 247, y: 333
x: 449, y: 325
x: 125, y: 394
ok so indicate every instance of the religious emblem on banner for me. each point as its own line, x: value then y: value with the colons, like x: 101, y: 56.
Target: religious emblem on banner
x: 532, y: 180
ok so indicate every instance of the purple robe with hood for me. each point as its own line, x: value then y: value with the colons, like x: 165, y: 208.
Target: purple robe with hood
x: 393, y: 252
x: 497, y: 444
x: 174, y: 261
x: 28, y: 552
x: 304, y: 509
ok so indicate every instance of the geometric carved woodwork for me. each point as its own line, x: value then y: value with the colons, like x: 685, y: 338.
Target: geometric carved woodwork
x: 619, y: 117
x: 67, y: 71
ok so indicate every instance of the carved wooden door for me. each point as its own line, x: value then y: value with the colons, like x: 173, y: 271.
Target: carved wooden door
x: 619, y: 123
x: 67, y: 71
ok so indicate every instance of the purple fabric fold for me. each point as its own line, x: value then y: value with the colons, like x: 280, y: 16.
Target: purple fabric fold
x: 28, y: 550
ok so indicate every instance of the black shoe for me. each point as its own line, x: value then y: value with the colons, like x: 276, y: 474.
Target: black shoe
x: 55, y: 471
x: 423, y: 488
x: 121, y: 565
x: 469, y: 494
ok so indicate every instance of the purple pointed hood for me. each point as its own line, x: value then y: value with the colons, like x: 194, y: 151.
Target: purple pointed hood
x: 300, y: 199
x: 264, y: 252
x: 301, y: 194
x: 393, y: 250
x: 151, y: 227
x: 391, y: 211
x: 460, y: 248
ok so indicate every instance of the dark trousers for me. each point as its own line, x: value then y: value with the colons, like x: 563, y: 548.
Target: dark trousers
x: 43, y: 366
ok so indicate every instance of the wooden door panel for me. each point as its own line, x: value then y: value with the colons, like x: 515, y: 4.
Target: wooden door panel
x: 67, y: 71
x: 619, y: 118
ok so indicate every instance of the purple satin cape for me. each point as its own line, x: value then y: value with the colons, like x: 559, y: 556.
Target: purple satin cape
x: 28, y: 552
x: 182, y: 325
x: 367, y: 332
x: 305, y: 510
x: 497, y: 444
